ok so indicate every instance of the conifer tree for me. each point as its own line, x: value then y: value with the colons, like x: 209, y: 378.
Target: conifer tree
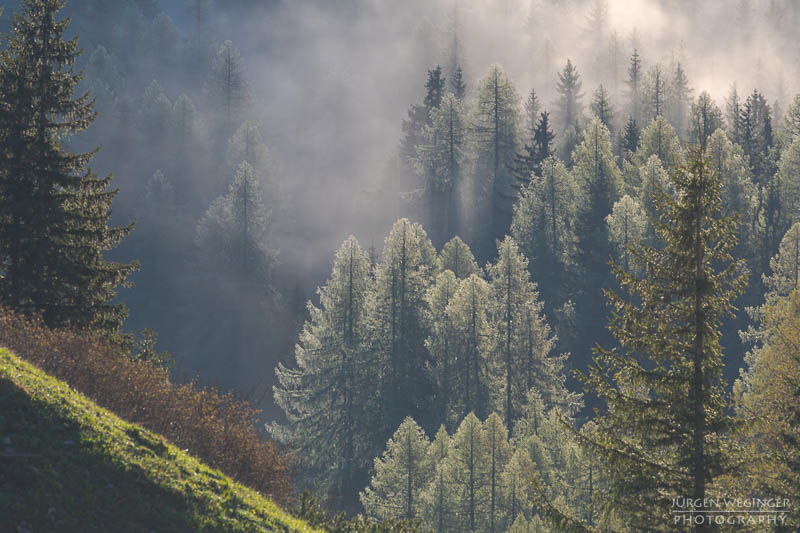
x: 436, y: 498
x: 398, y: 326
x: 54, y: 210
x: 227, y: 84
x: 659, y: 138
x: 524, y: 340
x: 663, y: 389
x: 739, y: 193
x: 630, y: 138
x: 443, y: 157
x: 544, y: 225
x: 635, y: 75
x: 790, y: 130
x: 569, y: 88
x: 469, y: 311
x: 601, y: 183
x: 756, y: 136
x: 442, y: 342
x: 466, y: 469
x: 704, y: 119
x: 654, y: 93
x: 733, y: 115
x: 529, y: 163
x: 458, y: 85
x: 679, y: 101
x: 602, y: 108
x: 328, y: 398
x: 499, y: 452
x: 457, y: 257
x: 401, y: 473
x: 496, y: 132
x: 627, y: 225
x: 531, y: 117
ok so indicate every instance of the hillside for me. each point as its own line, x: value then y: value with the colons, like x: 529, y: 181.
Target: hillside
x: 67, y: 464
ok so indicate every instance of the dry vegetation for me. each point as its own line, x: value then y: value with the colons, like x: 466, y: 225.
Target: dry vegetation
x: 217, y: 428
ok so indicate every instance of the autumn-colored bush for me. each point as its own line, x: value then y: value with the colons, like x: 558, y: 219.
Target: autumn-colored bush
x: 217, y: 428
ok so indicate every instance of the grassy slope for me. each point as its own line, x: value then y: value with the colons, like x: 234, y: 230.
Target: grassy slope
x: 68, y: 465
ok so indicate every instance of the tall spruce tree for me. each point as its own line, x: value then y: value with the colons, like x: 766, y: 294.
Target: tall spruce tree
x: 704, y: 119
x: 328, y: 397
x: 227, y: 85
x: 635, y: 75
x: 569, y: 88
x: 602, y: 108
x: 54, y: 210
x: 660, y: 434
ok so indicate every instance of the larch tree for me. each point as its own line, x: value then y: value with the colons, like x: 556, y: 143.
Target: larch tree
x: 739, y: 193
x: 756, y: 138
x: 466, y: 469
x: 790, y: 127
x: 523, y: 358
x: 469, y: 311
x: 327, y: 397
x: 442, y: 342
x: 627, y: 225
x: 767, y: 399
x: 659, y: 435
x: 398, y: 326
x: 654, y: 93
x: 437, y: 511
x: 733, y: 115
x: 457, y: 257
x: 54, y: 229
x: 659, y: 138
x: 442, y: 157
x: 704, y: 119
x: 401, y: 473
x: 496, y: 137
x: 499, y: 452
x: 544, y: 225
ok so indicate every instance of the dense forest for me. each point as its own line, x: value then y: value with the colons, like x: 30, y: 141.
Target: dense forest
x: 498, y: 266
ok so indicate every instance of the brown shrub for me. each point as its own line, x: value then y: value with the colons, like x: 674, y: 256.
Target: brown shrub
x: 217, y: 428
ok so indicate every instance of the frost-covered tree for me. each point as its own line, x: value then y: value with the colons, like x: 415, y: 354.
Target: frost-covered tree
x: 227, y: 84
x: 328, y: 396
x: 401, y: 473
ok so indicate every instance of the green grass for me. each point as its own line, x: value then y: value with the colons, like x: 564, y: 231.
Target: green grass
x: 68, y: 465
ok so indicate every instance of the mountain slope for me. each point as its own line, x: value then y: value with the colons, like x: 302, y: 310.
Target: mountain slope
x: 67, y: 464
